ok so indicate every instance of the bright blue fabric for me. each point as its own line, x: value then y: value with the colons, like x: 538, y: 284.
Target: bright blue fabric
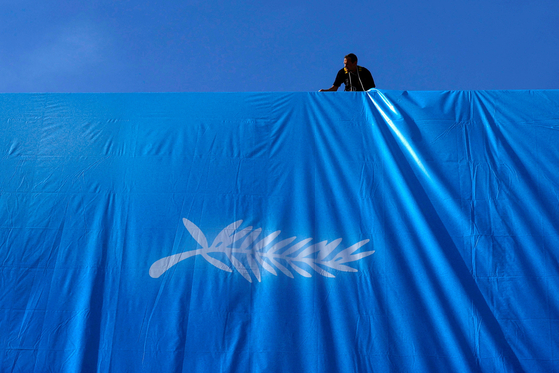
x: 455, y: 192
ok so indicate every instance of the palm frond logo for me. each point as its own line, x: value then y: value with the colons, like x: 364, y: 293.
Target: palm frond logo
x: 254, y: 253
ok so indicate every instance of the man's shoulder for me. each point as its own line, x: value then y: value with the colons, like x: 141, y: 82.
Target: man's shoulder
x: 361, y: 68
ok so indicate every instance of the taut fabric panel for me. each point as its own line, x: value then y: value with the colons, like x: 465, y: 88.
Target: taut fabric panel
x: 280, y: 232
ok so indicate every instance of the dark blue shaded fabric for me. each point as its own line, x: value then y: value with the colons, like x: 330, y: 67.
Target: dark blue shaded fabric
x: 280, y: 232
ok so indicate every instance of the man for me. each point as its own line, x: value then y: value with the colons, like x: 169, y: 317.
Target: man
x: 355, y: 78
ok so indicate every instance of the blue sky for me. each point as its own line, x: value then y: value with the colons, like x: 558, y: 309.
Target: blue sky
x: 268, y: 45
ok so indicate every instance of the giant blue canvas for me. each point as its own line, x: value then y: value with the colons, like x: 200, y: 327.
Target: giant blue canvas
x: 281, y: 232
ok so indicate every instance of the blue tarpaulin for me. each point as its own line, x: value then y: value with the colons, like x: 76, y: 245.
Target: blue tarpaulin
x: 280, y: 232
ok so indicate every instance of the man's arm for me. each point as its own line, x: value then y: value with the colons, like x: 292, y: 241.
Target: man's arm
x: 337, y: 82
x: 369, y: 82
x: 333, y: 88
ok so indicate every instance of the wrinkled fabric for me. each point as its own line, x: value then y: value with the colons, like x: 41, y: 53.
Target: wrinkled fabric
x: 280, y: 232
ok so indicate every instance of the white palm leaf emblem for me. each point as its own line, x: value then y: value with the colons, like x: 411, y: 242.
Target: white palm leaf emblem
x: 264, y: 253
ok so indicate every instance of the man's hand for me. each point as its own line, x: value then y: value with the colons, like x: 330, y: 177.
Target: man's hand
x: 333, y: 88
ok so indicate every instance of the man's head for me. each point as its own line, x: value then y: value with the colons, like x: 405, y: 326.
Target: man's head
x: 350, y: 62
